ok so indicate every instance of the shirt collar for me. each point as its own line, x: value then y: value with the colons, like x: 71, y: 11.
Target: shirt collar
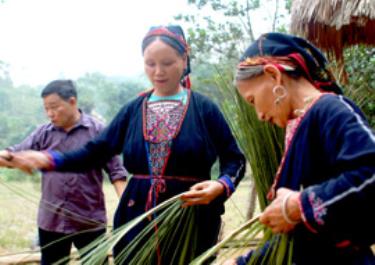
x: 83, y: 121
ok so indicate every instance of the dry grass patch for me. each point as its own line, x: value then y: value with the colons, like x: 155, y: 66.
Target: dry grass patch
x: 18, y: 214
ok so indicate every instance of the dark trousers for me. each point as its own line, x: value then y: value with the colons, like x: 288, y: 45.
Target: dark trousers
x: 56, y: 246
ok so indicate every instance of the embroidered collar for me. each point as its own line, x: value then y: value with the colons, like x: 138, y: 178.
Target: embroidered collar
x: 293, y: 126
x: 144, y: 115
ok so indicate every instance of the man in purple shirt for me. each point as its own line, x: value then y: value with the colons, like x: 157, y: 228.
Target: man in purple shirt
x: 72, y: 208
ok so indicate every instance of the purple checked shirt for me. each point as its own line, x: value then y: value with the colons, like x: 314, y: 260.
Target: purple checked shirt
x: 71, y: 201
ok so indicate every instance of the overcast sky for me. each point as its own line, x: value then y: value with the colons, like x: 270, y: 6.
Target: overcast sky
x: 43, y: 40
x: 48, y: 39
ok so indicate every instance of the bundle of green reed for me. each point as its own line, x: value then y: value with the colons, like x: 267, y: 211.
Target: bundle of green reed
x: 250, y: 228
x: 272, y: 249
x: 262, y: 145
x: 166, y: 222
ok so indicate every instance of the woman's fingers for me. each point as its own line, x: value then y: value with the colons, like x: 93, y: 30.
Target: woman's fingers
x: 23, y: 164
x: 192, y: 194
x: 230, y: 262
x: 192, y: 197
x: 202, y: 193
x: 274, y: 214
x: 5, y: 163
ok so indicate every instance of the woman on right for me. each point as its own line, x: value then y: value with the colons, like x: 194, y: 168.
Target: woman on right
x: 323, y: 194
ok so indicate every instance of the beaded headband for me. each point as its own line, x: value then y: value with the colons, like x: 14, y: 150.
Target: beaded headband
x: 165, y: 32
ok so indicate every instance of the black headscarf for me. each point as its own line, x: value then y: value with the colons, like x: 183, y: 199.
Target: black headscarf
x: 313, y: 66
x: 174, y: 36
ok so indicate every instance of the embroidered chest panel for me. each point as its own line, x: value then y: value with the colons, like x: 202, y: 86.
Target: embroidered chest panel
x: 163, y: 119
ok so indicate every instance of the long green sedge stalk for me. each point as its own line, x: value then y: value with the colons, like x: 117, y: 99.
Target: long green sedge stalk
x: 96, y: 252
x: 202, y: 258
x: 31, y: 198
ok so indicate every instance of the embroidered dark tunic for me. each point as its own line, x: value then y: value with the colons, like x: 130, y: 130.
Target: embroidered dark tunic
x: 202, y: 136
x: 332, y: 157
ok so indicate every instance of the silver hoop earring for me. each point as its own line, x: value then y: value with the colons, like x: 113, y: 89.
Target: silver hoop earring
x: 280, y: 93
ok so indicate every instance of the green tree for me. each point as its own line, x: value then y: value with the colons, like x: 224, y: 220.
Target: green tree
x: 105, y: 96
x: 360, y: 65
x: 219, y: 30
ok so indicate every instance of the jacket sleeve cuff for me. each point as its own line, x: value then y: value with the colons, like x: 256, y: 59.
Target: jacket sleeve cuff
x: 121, y: 175
x: 55, y: 159
x: 228, y: 185
x: 312, y: 210
x: 244, y: 259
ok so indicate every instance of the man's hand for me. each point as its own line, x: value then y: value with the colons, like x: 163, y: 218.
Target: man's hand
x: 120, y: 185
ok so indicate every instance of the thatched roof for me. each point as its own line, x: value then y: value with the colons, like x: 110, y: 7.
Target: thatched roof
x: 334, y: 24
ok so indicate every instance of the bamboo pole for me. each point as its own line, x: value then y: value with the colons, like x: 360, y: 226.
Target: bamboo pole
x: 21, y: 258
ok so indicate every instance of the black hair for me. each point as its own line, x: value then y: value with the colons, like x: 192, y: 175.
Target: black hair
x: 65, y: 89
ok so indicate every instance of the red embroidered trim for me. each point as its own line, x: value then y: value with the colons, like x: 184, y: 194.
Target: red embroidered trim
x: 144, y: 117
x: 344, y: 244
x: 293, y: 60
x: 226, y: 187
x: 263, y: 60
x: 144, y: 93
x: 187, y: 82
x: 51, y: 161
x: 166, y: 32
x: 180, y: 178
x: 159, y: 185
x: 303, y: 216
x: 299, y: 59
x: 289, y: 139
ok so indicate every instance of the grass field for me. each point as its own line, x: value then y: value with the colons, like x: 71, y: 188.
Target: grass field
x: 19, y: 204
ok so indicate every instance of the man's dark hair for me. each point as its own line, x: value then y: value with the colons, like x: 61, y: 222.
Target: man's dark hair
x: 64, y: 88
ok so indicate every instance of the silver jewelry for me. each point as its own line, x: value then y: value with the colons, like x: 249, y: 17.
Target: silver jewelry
x: 298, y: 112
x: 280, y: 93
x: 306, y: 102
x: 284, y: 212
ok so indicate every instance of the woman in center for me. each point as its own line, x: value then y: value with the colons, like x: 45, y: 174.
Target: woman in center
x: 171, y: 137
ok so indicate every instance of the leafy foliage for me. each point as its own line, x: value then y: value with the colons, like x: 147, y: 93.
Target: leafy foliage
x: 360, y: 65
x: 106, y: 96
x: 222, y: 36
